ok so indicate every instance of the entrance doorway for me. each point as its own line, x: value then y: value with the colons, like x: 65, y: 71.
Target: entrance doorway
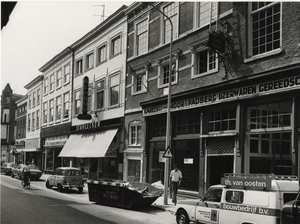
x: 217, y: 166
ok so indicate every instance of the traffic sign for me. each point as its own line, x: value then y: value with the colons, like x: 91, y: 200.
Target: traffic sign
x: 167, y: 153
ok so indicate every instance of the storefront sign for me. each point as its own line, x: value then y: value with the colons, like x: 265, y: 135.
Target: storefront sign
x: 32, y: 143
x: 248, y: 183
x: 56, y: 141
x: 279, y: 85
x: 88, y: 126
x: 188, y: 161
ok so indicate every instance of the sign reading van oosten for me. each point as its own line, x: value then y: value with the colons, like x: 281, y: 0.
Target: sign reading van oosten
x: 247, y: 183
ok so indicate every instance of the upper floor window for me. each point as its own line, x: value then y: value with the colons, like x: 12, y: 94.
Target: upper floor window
x: 66, y: 105
x: 33, y: 98
x: 206, y: 13
x: 51, y: 110
x: 100, y: 86
x: 5, y: 116
x: 116, y: 45
x: 139, y: 82
x: 58, y: 108
x: 171, y: 10
x: 37, y: 119
x: 142, y: 37
x: 58, y: 78
x: 90, y: 60
x: 135, y: 131
x: 38, y: 96
x: 45, y: 113
x: 52, y: 82
x: 33, y: 120
x: 28, y: 122
x: 222, y: 120
x: 90, y: 102
x: 102, y: 51
x: 205, y: 62
x: 77, y: 101
x: 265, y: 35
x: 114, y: 89
x: 67, y: 73
x: 79, y: 67
x: 7, y: 99
x: 45, y: 85
x: 29, y: 101
x: 163, y: 71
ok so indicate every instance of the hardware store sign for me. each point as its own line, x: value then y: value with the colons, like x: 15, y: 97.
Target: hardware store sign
x: 279, y: 85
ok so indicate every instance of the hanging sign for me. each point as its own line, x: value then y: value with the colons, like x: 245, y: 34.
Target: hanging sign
x: 167, y: 153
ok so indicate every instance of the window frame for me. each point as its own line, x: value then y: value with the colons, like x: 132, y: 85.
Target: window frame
x: 57, y: 104
x: 137, y: 133
x: 33, y: 99
x: 136, y: 48
x: 28, y: 122
x: 66, y: 74
x: 64, y: 104
x: 37, y: 119
x: 38, y: 96
x: 79, y: 69
x: 58, y: 79
x: 51, y: 111
x: 221, y: 121
x: 89, y: 57
x: 98, y: 91
x: 213, y: 8
x: 99, y: 48
x: 164, y: 21
x: 45, y: 112
x: 112, y: 86
x: 79, y: 91
x: 52, y: 76
x: 46, y: 82
x: 250, y: 55
x: 161, y: 73
x: 112, y: 44
x: 144, y: 85
x: 33, y: 121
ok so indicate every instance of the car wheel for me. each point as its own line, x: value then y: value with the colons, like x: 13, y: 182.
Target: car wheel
x: 80, y: 189
x: 60, y: 187
x: 48, y: 185
x: 182, y: 217
x: 12, y: 175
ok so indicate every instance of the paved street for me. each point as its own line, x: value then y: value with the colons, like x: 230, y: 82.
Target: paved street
x: 41, y: 205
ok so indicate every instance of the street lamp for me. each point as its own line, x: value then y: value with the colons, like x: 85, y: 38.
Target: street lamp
x: 166, y: 180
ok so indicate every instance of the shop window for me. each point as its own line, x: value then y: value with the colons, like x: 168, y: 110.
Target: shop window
x: 134, y: 170
x: 100, y: 86
x: 273, y: 115
x: 142, y: 37
x: 265, y: 28
x: 171, y: 10
x: 135, y: 131
x: 188, y: 124
x: 114, y: 89
x: 159, y: 127
x: 224, y: 120
x: 49, y: 160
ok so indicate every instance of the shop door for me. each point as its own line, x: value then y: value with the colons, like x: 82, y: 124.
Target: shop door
x: 217, y: 166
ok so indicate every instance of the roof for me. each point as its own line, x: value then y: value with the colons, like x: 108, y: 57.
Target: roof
x: 34, y: 82
x: 67, y: 168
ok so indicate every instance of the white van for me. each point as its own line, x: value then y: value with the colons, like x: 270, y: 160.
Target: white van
x: 241, y: 199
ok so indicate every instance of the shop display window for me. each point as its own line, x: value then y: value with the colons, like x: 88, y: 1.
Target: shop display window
x: 49, y: 162
x: 158, y: 127
x: 134, y: 170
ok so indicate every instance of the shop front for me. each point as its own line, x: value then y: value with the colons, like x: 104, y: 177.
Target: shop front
x: 32, y: 153
x: 95, y: 150
x: 246, y: 127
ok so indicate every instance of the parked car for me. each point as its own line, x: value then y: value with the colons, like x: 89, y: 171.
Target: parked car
x: 66, y: 178
x: 6, y: 168
x: 35, y: 173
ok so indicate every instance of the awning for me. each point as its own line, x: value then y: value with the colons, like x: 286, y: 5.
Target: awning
x: 88, y: 145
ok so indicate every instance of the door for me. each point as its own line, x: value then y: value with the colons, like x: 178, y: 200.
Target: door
x: 209, y: 206
x: 217, y: 166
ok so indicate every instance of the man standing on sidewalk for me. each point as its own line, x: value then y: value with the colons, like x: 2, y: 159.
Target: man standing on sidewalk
x: 175, y: 180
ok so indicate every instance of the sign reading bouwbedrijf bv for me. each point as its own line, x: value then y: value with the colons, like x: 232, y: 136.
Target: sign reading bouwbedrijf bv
x: 280, y: 85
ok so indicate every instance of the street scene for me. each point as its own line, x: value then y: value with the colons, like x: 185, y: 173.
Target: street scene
x: 150, y: 112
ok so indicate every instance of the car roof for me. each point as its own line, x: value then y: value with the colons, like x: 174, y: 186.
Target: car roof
x: 67, y: 168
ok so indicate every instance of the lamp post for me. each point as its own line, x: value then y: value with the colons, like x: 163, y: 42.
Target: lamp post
x: 166, y: 175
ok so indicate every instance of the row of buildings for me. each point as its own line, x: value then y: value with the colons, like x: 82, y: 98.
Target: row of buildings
x: 101, y: 102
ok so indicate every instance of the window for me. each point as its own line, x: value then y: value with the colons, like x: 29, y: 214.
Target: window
x: 77, y: 102
x: 79, y: 67
x: 90, y: 94
x: 206, y: 62
x: 33, y: 120
x: 52, y: 82
x: 5, y: 116
x: 33, y: 99
x: 139, y: 82
x: 116, y: 45
x: 135, y: 133
x: 188, y: 124
x: 66, y: 105
x: 114, y: 89
x: 51, y: 110
x: 235, y: 197
x: 100, y: 86
x: 45, y: 85
x: 58, y: 78
x: 58, y: 108
x: 171, y: 11
x: 37, y: 119
x: 101, y: 54
x: 90, y: 61
x: 206, y: 13
x: 265, y: 27
x: 29, y: 101
x: 158, y: 127
x: 163, y: 71
x: 213, y: 194
x: 38, y: 96
x: 28, y: 122
x: 142, y: 37
x: 7, y: 99
x: 67, y: 73
x: 222, y: 120
x: 45, y: 113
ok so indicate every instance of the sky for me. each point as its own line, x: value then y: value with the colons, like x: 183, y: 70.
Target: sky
x: 39, y: 30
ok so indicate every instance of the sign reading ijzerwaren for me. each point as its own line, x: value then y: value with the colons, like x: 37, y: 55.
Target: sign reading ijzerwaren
x: 279, y: 85
x: 246, y: 183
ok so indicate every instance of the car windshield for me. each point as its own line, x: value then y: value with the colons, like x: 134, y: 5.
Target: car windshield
x: 32, y: 166
x: 71, y: 173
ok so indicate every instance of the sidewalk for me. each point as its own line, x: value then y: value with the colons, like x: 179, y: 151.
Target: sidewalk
x: 159, y: 203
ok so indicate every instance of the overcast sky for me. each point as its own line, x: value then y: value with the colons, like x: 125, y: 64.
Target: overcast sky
x: 38, y: 30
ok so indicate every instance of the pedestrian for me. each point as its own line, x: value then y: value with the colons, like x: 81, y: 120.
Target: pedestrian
x: 175, y: 180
